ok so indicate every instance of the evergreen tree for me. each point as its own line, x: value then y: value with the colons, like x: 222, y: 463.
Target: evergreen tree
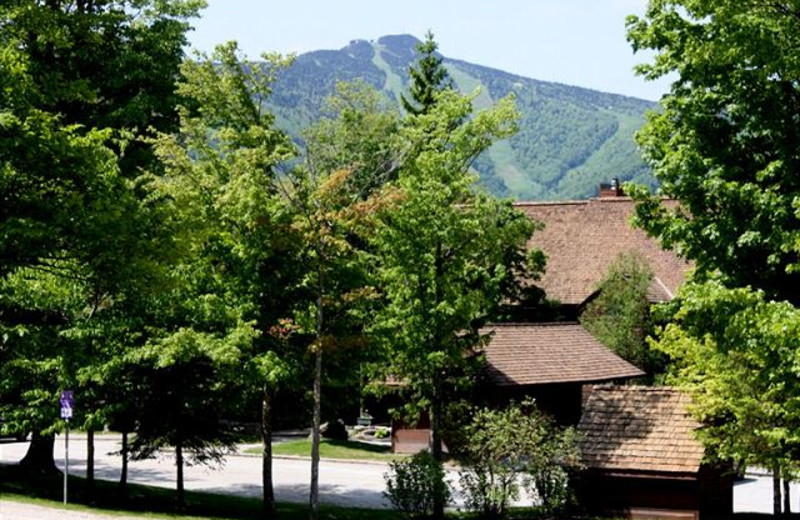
x: 427, y: 78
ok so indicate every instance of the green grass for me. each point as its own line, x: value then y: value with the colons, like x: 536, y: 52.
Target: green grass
x: 329, y: 449
x: 154, y: 502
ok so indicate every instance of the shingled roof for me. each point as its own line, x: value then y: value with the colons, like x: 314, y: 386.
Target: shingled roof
x: 583, y: 238
x: 544, y: 353
x: 636, y: 428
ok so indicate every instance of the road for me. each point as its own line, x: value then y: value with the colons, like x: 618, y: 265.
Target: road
x: 354, y: 484
x: 341, y: 483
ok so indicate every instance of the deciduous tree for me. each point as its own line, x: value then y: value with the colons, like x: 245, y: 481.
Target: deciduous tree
x: 726, y: 145
x: 443, y: 252
x: 619, y: 316
x: 726, y: 141
x: 735, y: 351
x: 80, y: 229
x: 241, y: 267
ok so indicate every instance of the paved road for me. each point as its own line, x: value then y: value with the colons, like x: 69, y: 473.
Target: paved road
x: 351, y: 484
x: 341, y: 483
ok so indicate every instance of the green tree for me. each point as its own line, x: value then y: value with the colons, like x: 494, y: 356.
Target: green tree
x: 80, y: 229
x: 428, y: 78
x: 619, y: 316
x: 104, y: 64
x: 735, y: 352
x: 444, y: 254
x: 359, y: 133
x: 180, y: 380
x: 725, y: 143
x: 331, y: 219
x: 242, y: 266
x: 350, y: 154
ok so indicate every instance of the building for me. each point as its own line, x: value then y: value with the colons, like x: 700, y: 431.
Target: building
x: 582, y: 240
x: 550, y: 362
x: 642, y: 459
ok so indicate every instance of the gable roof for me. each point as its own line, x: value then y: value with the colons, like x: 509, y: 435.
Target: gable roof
x: 545, y: 353
x: 583, y: 238
x: 639, y: 428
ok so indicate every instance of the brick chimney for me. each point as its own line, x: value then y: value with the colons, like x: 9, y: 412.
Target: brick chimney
x: 611, y: 190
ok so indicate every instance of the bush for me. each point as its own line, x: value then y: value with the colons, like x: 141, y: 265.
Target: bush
x: 513, y: 447
x: 412, y: 484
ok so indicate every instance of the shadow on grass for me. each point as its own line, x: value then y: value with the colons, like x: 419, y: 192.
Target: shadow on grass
x: 135, y: 498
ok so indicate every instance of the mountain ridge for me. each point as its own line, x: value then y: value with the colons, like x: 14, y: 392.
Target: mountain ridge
x: 571, y: 138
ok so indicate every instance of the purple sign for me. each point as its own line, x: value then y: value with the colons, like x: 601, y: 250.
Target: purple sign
x: 67, y: 404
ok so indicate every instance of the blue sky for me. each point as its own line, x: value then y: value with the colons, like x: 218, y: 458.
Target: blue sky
x: 577, y: 42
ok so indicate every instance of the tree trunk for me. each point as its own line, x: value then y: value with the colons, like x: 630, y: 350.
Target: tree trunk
x: 317, y: 412
x: 39, y: 458
x: 314, y: 497
x: 776, y: 491
x: 123, y: 476
x: 90, y: 461
x: 787, y: 503
x: 436, y: 403
x: 436, y: 442
x: 269, y: 510
x: 181, y: 499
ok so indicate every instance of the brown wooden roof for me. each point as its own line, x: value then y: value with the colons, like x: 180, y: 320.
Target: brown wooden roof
x: 583, y: 238
x: 637, y: 428
x: 545, y: 353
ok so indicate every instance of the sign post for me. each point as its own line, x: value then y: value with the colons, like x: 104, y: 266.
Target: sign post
x: 67, y: 404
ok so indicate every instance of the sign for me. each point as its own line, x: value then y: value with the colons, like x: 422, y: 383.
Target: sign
x: 67, y: 404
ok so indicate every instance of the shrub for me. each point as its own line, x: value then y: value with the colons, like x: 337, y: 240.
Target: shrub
x: 412, y: 484
x: 513, y: 447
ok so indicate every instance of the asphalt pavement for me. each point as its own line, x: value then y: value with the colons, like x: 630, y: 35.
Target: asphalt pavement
x: 345, y: 483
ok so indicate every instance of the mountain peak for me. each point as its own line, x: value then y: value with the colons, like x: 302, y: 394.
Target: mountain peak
x: 570, y: 138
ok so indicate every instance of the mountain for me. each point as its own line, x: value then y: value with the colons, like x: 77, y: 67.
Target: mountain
x: 570, y: 138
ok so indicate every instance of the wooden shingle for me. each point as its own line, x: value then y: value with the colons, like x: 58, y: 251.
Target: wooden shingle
x: 546, y: 353
x: 582, y: 239
x: 637, y: 428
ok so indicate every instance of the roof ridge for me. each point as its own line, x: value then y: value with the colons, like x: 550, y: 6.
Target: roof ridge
x: 533, y: 324
x: 661, y: 284
x: 519, y: 203
x: 638, y: 388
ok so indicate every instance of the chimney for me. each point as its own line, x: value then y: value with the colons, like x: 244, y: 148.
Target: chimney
x: 611, y: 190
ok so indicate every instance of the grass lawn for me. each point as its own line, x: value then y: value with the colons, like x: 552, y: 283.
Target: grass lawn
x: 154, y: 502
x: 329, y: 449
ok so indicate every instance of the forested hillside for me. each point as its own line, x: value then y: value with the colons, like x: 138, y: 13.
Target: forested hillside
x: 570, y: 138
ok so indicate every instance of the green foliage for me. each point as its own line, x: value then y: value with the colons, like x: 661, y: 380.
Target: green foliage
x: 357, y: 133
x: 445, y: 256
x: 427, y: 78
x: 107, y: 65
x: 513, y: 446
x: 620, y: 314
x: 570, y: 138
x: 725, y: 145
x: 180, y: 390
x: 735, y: 352
x: 223, y: 330
x: 726, y: 142
x: 85, y: 235
x: 412, y: 485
